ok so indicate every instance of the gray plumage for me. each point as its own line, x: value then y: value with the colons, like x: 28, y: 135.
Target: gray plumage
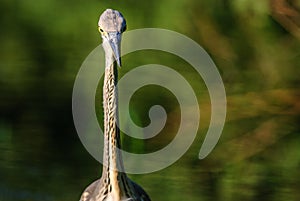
x: 114, y: 185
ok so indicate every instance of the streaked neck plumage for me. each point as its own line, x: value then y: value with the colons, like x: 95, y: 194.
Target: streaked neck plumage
x: 113, y: 170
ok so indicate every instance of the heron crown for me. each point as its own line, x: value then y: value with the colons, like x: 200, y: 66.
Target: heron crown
x: 112, y: 21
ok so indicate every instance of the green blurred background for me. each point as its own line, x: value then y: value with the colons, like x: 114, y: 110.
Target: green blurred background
x: 43, y: 44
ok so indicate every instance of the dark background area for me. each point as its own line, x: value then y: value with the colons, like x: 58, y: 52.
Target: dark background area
x: 255, y: 46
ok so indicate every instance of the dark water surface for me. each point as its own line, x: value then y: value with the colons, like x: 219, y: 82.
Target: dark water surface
x: 43, y: 44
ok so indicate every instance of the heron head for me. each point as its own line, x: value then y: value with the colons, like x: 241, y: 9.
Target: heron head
x: 111, y: 25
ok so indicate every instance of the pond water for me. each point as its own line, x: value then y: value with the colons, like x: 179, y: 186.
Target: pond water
x: 257, y: 157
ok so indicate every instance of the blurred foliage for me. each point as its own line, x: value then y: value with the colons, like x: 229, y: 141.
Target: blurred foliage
x: 256, y: 50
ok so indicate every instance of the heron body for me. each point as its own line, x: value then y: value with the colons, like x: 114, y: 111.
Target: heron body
x: 114, y: 185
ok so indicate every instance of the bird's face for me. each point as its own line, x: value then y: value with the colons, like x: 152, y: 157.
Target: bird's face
x: 111, y: 25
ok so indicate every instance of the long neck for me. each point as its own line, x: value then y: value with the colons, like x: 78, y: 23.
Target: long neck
x: 112, y: 159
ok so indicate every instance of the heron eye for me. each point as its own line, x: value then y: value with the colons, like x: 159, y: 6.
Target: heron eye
x: 100, y: 30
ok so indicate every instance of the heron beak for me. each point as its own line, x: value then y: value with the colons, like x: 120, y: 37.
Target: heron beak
x: 114, y: 39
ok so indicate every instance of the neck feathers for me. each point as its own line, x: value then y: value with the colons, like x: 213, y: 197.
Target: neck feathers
x: 111, y: 130
x: 112, y: 161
